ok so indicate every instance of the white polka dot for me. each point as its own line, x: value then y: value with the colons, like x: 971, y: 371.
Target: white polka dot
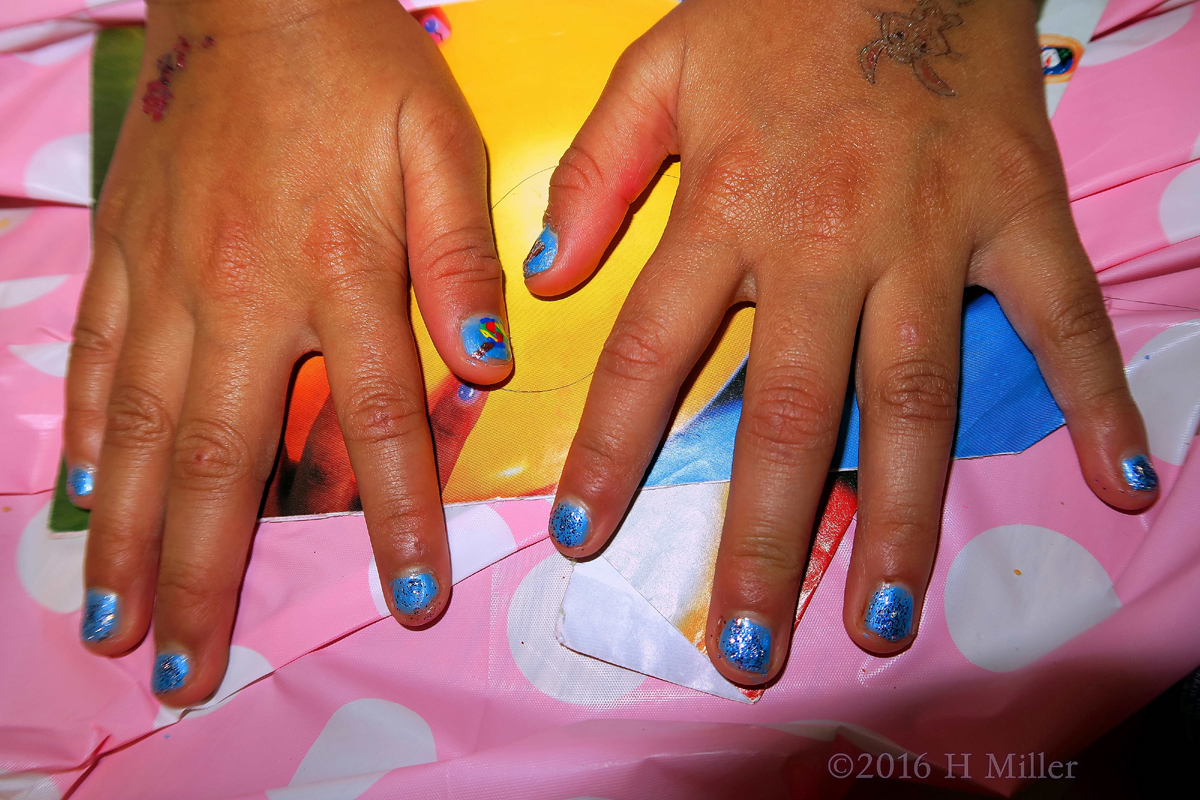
x: 24, y: 38
x: 59, y: 51
x: 1017, y: 592
x: 1179, y: 208
x: 10, y: 218
x: 479, y: 537
x: 361, y: 742
x: 28, y: 786
x: 553, y: 669
x: 376, y: 589
x: 1164, y: 377
x: 1136, y: 37
x: 51, y: 568
x: 245, y: 667
x: 24, y: 290
x: 61, y: 170
x: 50, y: 358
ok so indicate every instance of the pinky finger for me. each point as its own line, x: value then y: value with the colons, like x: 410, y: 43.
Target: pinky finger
x: 1050, y: 292
x: 99, y: 331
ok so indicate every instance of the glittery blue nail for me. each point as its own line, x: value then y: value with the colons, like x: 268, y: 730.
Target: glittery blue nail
x: 1139, y: 474
x: 413, y: 594
x: 747, y: 645
x: 99, y: 615
x: 484, y: 340
x: 170, y: 671
x: 568, y: 524
x: 889, y: 616
x: 541, y: 256
x: 80, y: 482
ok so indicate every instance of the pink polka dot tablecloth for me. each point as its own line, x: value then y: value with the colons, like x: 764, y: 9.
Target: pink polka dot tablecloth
x: 1049, y: 619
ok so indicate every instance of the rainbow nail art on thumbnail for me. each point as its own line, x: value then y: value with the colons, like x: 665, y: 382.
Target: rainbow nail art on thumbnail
x: 746, y: 645
x: 541, y: 256
x: 413, y: 594
x: 484, y: 340
x: 568, y: 524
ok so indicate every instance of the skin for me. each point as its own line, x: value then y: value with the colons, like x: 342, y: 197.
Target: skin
x: 838, y: 207
x: 310, y: 164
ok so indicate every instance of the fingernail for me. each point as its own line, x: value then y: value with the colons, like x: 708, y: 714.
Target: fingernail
x: 1139, y: 474
x: 413, y: 594
x: 99, y: 615
x: 746, y: 645
x: 541, y: 255
x: 890, y: 614
x: 80, y: 481
x: 484, y: 340
x: 170, y: 671
x: 568, y: 524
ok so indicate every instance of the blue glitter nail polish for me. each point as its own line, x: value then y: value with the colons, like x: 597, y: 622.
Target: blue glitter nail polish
x: 568, y: 524
x: 484, y: 340
x: 413, y: 594
x: 541, y: 256
x: 80, y: 482
x: 99, y: 615
x: 1139, y: 474
x: 889, y: 616
x: 170, y: 671
x: 746, y: 645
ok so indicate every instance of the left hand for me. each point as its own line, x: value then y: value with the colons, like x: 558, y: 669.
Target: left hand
x: 838, y: 169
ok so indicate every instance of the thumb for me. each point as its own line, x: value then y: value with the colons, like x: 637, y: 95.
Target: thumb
x: 615, y: 155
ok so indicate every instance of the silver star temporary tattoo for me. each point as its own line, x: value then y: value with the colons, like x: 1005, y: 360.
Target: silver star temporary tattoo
x: 913, y: 39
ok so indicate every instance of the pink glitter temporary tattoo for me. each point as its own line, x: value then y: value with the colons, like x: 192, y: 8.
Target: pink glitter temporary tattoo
x: 913, y: 39
x: 158, y: 94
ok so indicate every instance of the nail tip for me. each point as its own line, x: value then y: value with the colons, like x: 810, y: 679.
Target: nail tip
x: 484, y: 339
x: 414, y: 594
x: 1139, y: 474
x: 746, y: 645
x: 890, y: 612
x: 542, y: 254
x: 170, y: 672
x: 569, y: 524
x: 99, y: 615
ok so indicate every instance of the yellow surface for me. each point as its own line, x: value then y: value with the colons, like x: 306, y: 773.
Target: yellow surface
x: 532, y: 70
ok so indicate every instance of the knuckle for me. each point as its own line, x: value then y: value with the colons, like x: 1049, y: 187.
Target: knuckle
x: 377, y: 411
x: 578, y: 172
x: 233, y: 272
x: 638, y: 349
x: 725, y: 193
x: 464, y: 255
x: 829, y: 206
x: 601, y: 454
x: 344, y: 257
x: 191, y: 591
x: 789, y: 415
x: 212, y: 456
x: 918, y: 389
x: 450, y: 132
x: 137, y: 418
x: 768, y: 558
x: 1078, y: 326
x: 1028, y: 175
x: 92, y: 343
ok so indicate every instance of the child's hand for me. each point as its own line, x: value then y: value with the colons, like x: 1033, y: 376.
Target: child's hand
x: 837, y: 167
x: 286, y: 166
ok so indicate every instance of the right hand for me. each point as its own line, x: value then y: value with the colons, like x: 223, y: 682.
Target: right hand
x: 306, y: 158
